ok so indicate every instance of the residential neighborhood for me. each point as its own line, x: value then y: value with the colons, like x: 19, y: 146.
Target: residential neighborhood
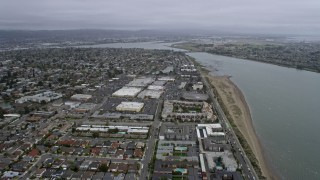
x: 109, y: 114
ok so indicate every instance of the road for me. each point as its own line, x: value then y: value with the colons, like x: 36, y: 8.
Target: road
x: 246, y: 166
x: 154, y: 129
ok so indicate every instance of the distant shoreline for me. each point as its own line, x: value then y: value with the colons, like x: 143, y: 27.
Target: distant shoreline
x: 176, y: 45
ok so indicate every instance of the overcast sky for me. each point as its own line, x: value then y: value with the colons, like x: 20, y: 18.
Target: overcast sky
x: 262, y: 16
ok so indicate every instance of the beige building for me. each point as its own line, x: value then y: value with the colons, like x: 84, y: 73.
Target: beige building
x: 130, y: 106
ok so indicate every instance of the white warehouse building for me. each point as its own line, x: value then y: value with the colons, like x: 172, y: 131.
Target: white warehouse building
x: 127, y: 92
x: 130, y: 106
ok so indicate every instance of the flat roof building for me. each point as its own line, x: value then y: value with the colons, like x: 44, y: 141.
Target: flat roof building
x: 168, y: 70
x: 127, y: 92
x: 195, y: 96
x: 155, y: 87
x: 153, y: 94
x: 45, y: 96
x: 140, y: 82
x: 166, y: 78
x: 177, y: 132
x: 81, y: 97
x: 130, y: 106
x: 85, y: 107
x: 210, y: 129
x: 159, y: 83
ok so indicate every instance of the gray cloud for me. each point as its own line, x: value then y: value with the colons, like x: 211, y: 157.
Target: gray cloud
x: 266, y: 16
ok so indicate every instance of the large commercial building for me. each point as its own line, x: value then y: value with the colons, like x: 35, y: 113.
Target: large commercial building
x: 127, y: 92
x: 130, y: 106
x: 140, y: 82
x: 81, y: 97
x: 101, y: 128
x: 166, y: 78
x: 191, y: 96
x: 41, y: 97
x: 153, y: 94
x: 155, y: 87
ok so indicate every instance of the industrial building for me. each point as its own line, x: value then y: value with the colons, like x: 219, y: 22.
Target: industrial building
x: 153, y: 94
x: 130, y: 106
x: 155, y: 87
x: 144, y: 117
x: 159, y: 83
x: 101, y: 128
x: 84, y: 108
x: 127, y: 92
x: 72, y: 104
x: 166, y: 78
x: 195, y: 96
x: 41, y: 97
x: 168, y: 70
x: 81, y: 97
x: 140, y: 82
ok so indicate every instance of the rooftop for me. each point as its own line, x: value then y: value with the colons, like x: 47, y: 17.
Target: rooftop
x: 127, y: 92
x: 140, y: 82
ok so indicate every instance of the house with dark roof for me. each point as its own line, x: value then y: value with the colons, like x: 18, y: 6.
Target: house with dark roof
x: 131, y: 145
x: 133, y: 168
x: 39, y: 172
x: 113, y: 167
x: 67, y: 174
x: 87, y: 175
x: 94, y: 166
x: 130, y: 176
x: 98, y: 175
x: 85, y: 165
x: 129, y: 153
x: 108, y: 176
x: 122, y: 167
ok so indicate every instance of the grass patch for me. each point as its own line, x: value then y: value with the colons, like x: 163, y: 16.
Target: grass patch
x: 182, y: 154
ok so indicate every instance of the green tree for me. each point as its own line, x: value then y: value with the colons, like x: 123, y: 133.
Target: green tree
x: 43, y: 102
x: 26, y: 110
x: 95, y: 134
x: 1, y: 113
x: 103, y: 167
x: 40, y: 83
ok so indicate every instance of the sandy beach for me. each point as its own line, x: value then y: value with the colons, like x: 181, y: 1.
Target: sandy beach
x: 238, y: 109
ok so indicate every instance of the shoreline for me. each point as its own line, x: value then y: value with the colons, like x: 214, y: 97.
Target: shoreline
x: 243, y: 58
x: 237, y: 107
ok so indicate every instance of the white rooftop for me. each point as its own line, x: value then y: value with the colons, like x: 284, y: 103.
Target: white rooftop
x: 166, y: 78
x: 127, y: 92
x: 210, y: 129
x: 155, y: 87
x: 140, y: 82
x: 150, y: 94
x: 130, y: 106
x: 81, y: 96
